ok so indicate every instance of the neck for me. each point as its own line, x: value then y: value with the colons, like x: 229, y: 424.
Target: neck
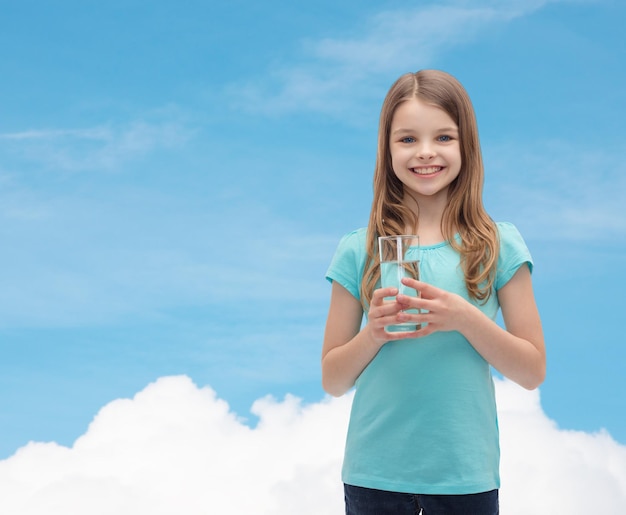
x: 429, y: 212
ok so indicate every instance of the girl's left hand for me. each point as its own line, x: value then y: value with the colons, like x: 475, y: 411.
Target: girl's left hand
x: 440, y: 309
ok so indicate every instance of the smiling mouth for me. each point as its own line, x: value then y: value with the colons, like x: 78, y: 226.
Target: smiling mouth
x: 427, y: 171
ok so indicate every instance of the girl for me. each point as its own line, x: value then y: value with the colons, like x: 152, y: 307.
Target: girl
x: 423, y: 431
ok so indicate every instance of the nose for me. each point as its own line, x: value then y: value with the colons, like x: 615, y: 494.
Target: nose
x: 425, y: 151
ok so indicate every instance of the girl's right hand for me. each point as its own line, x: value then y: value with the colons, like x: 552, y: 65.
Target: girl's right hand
x: 381, y: 314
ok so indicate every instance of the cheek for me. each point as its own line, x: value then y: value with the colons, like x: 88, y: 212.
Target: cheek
x: 398, y: 159
x: 394, y: 162
x: 395, y: 166
x: 458, y: 155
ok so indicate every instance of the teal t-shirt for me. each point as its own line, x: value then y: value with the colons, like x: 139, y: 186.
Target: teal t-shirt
x: 423, y: 418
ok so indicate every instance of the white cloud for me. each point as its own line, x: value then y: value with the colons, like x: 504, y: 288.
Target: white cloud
x: 548, y: 470
x: 105, y: 146
x: 177, y: 449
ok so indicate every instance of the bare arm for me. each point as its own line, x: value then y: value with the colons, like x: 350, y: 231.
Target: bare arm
x: 522, y: 355
x: 348, y: 349
x: 517, y: 352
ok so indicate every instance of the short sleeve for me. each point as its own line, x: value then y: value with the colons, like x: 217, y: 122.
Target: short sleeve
x: 348, y: 263
x: 513, y: 253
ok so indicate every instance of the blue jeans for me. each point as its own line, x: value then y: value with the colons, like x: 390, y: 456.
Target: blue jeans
x: 365, y: 501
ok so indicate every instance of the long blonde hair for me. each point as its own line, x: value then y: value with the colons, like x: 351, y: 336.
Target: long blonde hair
x: 464, y: 212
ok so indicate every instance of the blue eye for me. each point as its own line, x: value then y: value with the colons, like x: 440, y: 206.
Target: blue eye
x: 444, y: 138
x: 408, y: 139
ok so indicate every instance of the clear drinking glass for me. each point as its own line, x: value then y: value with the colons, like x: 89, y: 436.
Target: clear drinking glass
x: 399, y: 257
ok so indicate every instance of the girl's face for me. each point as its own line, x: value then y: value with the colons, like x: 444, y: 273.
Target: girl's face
x: 425, y: 149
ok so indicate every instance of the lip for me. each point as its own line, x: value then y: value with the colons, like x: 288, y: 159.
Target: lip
x: 426, y: 171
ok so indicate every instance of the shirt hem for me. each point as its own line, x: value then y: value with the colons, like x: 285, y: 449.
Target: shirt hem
x: 417, y: 488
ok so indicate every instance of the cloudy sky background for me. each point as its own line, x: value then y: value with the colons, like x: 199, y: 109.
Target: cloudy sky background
x: 174, y: 179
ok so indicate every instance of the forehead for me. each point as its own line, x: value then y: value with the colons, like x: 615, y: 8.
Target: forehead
x: 414, y: 113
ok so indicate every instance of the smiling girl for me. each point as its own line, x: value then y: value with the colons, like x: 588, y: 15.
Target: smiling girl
x: 423, y: 433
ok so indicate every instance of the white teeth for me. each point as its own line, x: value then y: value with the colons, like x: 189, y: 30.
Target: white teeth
x: 427, y: 171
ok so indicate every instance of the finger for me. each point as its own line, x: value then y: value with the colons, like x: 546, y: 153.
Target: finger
x: 387, y: 308
x: 381, y: 293
x: 410, y: 302
x: 419, y: 319
x: 420, y: 286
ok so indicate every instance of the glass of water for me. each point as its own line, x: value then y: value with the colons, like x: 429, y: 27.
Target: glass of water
x: 399, y: 257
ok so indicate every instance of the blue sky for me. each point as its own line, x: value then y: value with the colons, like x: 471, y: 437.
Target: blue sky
x: 174, y: 178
